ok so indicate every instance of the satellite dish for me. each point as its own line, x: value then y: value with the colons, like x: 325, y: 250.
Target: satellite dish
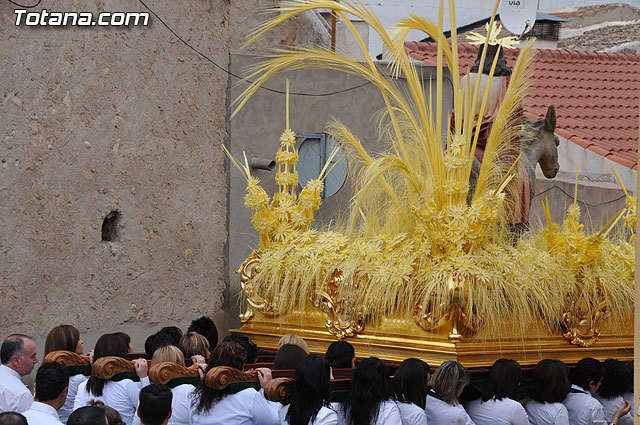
x: 518, y: 16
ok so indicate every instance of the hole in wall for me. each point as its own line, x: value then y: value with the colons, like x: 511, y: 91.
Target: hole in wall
x: 110, y: 226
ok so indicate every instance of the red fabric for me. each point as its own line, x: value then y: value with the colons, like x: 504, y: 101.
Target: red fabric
x: 520, y: 213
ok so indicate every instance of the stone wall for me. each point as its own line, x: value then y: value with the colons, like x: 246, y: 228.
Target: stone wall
x: 104, y: 120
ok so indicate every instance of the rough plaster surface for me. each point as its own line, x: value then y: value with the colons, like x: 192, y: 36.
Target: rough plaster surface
x: 96, y: 120
x: 307, y: 29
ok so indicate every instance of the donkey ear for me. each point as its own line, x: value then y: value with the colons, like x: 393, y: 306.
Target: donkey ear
x: 550, y: 119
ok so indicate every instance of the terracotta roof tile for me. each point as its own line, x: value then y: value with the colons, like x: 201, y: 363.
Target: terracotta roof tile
x: 596, y: 95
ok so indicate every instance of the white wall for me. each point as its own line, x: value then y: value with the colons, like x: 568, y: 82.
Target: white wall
x: 467, y: 11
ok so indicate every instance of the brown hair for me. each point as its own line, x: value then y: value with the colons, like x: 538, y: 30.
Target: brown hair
x: 62, y: 337
x: 192, y: 344
x: 168, y: 353
x: 448, y: 379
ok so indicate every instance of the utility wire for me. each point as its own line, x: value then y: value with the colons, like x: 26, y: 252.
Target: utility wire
x: 580, y: 201
x: 23, y: 6
x: 208, y: 59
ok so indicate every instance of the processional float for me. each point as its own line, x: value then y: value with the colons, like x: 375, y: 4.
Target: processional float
x: 419, y: 269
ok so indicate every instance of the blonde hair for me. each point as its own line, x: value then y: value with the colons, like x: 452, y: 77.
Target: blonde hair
x: 169, y: 353
x: 192, y: 344
x: 448, y: 379
x: 294, y: 340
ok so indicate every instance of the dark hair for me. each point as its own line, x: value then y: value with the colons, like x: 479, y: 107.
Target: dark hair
x: 113, y: 416
x: 205, y: 326
x: 12, y: 418
x: 549, y: 382
x: 107, y: 345
x: 62, y: 337
x: 155, y: 341
x: 174, y: 332
x: 502, y: 69
x: 247, y: 344
x: 340, y: 354
x: 51, y: 379
x: 13, y: 345
x: 587, y: 370
x: 155, y: 404
x: 226, y: 354
x: 411, y: 382
x: 504, y: 379
x: 617, y: 377
x: 289, y: 356
x: 88, y: 415
x: 311, y: 390
x: 125, y: 337
x: 370, y: 386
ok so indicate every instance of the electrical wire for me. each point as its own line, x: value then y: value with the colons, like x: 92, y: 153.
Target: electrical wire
x: 23, y: 6
x: 208, y: 59
x: 580, y: 201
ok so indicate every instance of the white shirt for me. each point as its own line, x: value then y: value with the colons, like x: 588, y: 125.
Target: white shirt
x: 67, y: 408
x: 180, y: 405
x: 388, y: 414
x: 505, y: 411
x: 611, y: 405
x: 411, y: 414
x: 628, y: 396
x: 121, y: 395
x: 583, y: 408
x: 42, y: 414
x: 247, y: 407
x: 14, y: 395
x: 442, y: 413
x: 325, y: 416
x: 546, y: 413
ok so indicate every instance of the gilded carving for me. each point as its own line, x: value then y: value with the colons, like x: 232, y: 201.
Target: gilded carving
x: 450, y: 311
x: 346, y: 318
x: 249, y: 268
x: 581, y: 320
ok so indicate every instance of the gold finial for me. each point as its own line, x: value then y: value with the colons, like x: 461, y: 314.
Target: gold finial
x: 508, y: 42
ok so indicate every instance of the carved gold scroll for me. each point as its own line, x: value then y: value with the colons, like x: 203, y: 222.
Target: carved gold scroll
x: 249, y: 268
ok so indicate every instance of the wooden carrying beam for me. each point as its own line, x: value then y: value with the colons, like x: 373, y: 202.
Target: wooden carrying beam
x: 164, y: 372
x: 108, y: 367
x: 218, y: 378
x: 67, y: 358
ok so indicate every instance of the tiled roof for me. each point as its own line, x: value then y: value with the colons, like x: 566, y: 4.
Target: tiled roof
x: 596, y: 95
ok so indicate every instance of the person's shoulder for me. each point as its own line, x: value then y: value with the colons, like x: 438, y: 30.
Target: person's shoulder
x: 326, y: 413
x: 77, y: 378
x: 182, y: 389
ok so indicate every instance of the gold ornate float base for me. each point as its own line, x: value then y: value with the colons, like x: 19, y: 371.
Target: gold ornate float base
x: 397, y: 340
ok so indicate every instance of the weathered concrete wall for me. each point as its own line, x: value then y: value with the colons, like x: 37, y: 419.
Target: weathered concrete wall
x: 307, y: 29
x: 103, y: 119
